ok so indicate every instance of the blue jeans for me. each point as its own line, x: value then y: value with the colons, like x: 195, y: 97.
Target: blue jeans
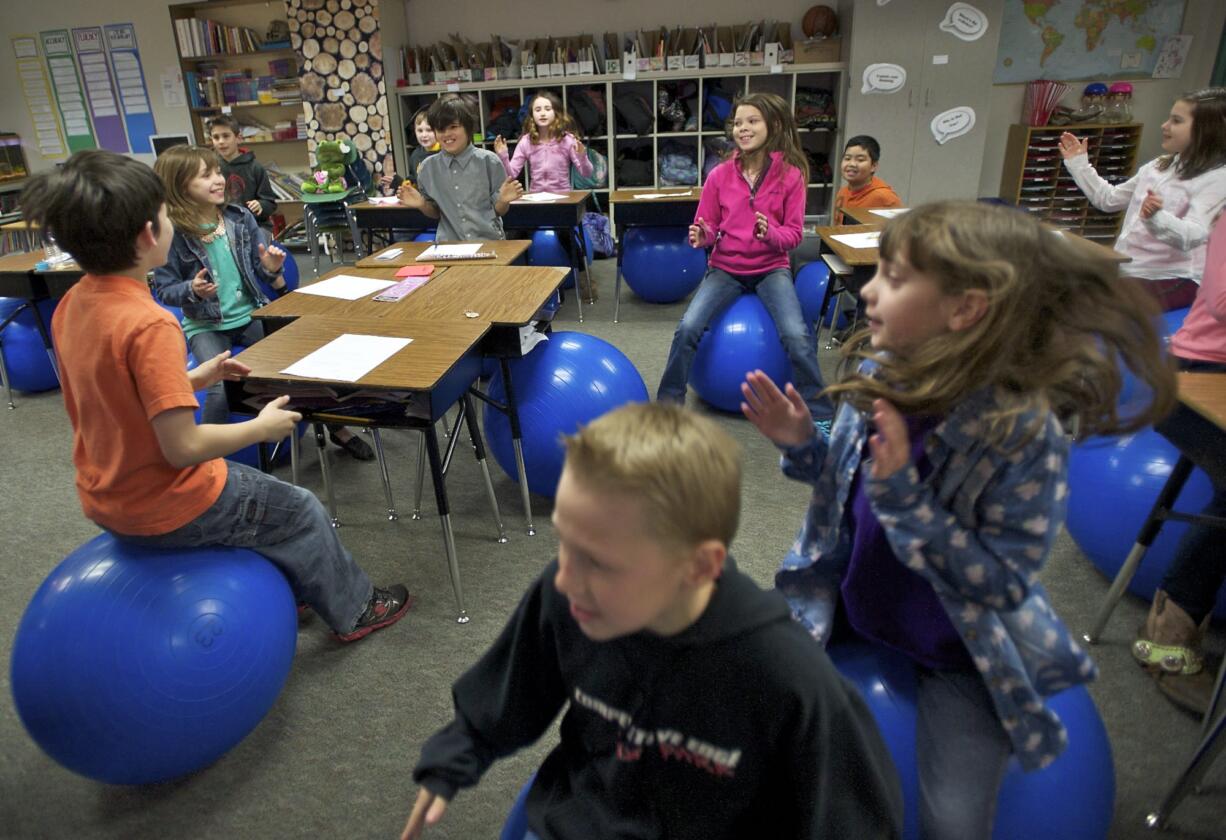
x: 290, y: 527
x: 961, y: 751
x: 715, y: 294
x: 208, y: 344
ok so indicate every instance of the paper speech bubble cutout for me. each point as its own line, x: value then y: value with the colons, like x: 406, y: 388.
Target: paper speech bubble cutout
x: 962, y: 20
x: 884, y: 78
x: 953, y: 123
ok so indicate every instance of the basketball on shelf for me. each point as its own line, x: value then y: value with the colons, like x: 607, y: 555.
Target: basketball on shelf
x: 819, y: 22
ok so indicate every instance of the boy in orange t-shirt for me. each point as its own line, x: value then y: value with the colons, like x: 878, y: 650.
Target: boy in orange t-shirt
x: 145, y: 471
x: 862, y: 188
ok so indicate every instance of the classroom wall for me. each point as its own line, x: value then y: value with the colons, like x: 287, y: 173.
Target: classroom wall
x: 1151, y: 99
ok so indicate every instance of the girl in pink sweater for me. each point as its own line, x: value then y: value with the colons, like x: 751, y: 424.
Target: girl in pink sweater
x: 548, y: 144
x: 750, y: 216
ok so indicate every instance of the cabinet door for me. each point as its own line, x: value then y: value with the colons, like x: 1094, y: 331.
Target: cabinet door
x: 885, y: 34
x: 954, y: 73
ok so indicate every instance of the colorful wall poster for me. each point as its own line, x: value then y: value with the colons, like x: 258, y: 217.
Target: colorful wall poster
x: 39, y: 100
x: 99, y: 88
x: 57, y: 50
x: 130, y: 80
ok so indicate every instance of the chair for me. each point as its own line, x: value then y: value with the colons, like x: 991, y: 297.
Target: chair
x: 331, y: 217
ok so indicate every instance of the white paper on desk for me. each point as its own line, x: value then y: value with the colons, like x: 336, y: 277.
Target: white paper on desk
x: 345, y: 287
x: 384, y: 199
x: 347, y: 358
x: 529, y: 337
x: 663, y: 195
x: 889, y: 212
x: 389, y: 254
x: 859, y: 240
x: 442, y: 252
x: 541, y: 196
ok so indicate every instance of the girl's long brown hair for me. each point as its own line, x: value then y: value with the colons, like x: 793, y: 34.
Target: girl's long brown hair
x: 1208, y: 147
x: 177, y: 166
x: 562, y: 122
x: 1060, y: 326
x: 781, y: 133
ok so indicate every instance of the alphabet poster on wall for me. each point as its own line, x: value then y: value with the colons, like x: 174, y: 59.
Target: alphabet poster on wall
x: 39, y: 100
x: 99, y: 88
x: 67, y: 86
x: 130, y: 80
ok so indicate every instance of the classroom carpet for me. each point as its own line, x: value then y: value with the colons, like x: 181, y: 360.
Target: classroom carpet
x: 333, y: 759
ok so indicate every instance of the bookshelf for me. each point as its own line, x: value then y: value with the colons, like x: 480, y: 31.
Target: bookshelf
x: 228, y: 68
x: 669, y: 148
x: 1034, y: 178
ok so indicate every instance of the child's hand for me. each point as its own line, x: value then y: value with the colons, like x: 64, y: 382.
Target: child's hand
x: 782, y: 418
x: 216, y: 369
x: 272, y: 258
x: 385, y: 183
x: 579, y: 147
x: 759, y: 226
x: 500, y: 146
x: 1151, y: 205
x: 427, y: 810
x: 889, y: 445
x: 410, y: 197
x: 255, y: 207
x: 698, y: 234
x: 202, y: 286
x: 275, y: 421
x: 1070, y: 146
x: 512, y: 190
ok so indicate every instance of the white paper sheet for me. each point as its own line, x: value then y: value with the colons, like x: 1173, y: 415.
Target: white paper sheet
x: 663, y: 195
x: 347, y: 358
x: 345, y: 287
x: 889, y: 212
x: 442, y: 252
x: 384, y: 199
x: 541, y: 196
x: 390, y: 254
x: 859, y: 240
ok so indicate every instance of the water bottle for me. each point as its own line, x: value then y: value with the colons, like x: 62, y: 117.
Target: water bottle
x: 51, y: 251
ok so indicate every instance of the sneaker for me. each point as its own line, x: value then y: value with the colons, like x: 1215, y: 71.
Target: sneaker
x: 386, y: 607
x: 355, y: 446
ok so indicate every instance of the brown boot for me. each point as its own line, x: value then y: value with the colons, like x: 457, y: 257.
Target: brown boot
x: 1168, y: 646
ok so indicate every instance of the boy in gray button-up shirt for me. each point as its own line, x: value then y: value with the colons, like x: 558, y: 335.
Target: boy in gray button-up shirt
x: 464, y: 187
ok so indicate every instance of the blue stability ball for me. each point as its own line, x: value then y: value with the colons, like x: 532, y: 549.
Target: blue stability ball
x: 133, y: 665
x: 426, y: 236
x: 741, y: 338
x: 25, y: 358
x: 811, y: 282
x: 659, y: 264
x: 564, y: 382
x: 1113, y: 483
x: 1072, y: 798
x: 547, y: 249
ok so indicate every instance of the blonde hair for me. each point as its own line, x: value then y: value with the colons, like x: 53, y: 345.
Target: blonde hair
x: 562, y: 122
x: 683, y: 469
x: 1060, y: 326
x: 178, y: 166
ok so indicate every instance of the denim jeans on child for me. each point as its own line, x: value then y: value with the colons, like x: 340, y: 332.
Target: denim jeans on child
x: 961, y: 751
x: 716, y: 292
x: 290, y: 527
x: 208, y: 344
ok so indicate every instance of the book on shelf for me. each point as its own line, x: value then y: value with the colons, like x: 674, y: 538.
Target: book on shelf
x: 201, y: 37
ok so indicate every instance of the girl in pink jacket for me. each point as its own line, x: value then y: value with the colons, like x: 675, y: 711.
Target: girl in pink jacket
x: 751, y: 216
x: 549, y: 144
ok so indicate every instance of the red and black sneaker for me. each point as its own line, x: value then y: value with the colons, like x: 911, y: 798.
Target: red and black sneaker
x: 386, y: 607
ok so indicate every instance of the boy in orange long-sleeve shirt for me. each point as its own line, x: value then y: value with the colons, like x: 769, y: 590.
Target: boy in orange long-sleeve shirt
x: 862, y: 188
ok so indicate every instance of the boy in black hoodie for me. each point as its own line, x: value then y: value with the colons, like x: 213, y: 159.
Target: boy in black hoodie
x: 697, y: 707
x: 246, y: 181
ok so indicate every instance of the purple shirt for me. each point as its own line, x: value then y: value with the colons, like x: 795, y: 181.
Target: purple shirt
x: 884, y: 600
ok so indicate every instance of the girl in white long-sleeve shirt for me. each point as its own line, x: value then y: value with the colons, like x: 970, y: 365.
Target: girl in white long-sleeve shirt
x: 1171, y: 201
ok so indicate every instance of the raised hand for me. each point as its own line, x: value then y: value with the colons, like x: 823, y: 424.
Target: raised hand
x: 500, y: 146
x: 202, y: 285
x: 579, y: 147
x: 255, y: 207
x: 760, y: 225
x: 272, y: 257
x: 1151, y: 205
x: 511, y: 190
x: 410, y: 197
x: 698, y: 234
x: 1070, y: 146
x: 427, y: 810
x: 276, y: 421
x: 889, y: 445
x: 782, y: 417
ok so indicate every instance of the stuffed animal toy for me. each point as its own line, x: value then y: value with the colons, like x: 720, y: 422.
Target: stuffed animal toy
x: 328, y: 181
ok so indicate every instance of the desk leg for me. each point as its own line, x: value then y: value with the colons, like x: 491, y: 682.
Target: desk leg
x: 421, y: 476
x: 4, y: 375
x: 617, y: 285
x: 1149, y: 532
x: 568, y: 236
x: 444, y: 512
x: 46, y: 336
x: 1208, y: 750
x: 587, y: 267
x: 321, y: 443
x: 470, y: 417
x: 387, y: 481
x: 295, y: 452
x: 517, y: 443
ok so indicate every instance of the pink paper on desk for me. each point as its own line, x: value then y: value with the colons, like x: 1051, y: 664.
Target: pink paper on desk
x: 423, y: 270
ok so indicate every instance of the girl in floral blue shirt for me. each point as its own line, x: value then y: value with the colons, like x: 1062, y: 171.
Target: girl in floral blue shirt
x: 942, y: 485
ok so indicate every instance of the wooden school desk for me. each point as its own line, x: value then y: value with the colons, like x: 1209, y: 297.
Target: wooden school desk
x: 674, y: 208
x: 421, y: 382
x: 18, y: 279
x: 368, y: 218
x: 507, y: 298
x: 508, y: 252
x: 563, y: 216
x: 1197, y: 427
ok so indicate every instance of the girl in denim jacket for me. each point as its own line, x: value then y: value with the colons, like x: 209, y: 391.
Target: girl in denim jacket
x: 942, y: 485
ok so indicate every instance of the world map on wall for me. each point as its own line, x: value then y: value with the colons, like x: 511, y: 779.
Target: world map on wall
x: 1083, y: 39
